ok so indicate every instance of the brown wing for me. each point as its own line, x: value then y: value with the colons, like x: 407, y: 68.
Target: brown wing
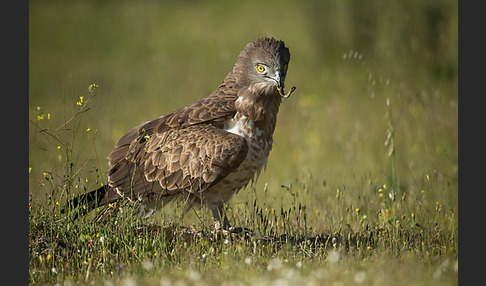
x: 183, y: 151
x: 214, y: 109
x: 181, y: 160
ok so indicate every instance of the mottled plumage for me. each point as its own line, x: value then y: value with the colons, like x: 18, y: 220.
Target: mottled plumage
x: 208, y: 150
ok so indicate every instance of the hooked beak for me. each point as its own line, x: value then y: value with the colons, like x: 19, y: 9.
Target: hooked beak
x: 278, y: 80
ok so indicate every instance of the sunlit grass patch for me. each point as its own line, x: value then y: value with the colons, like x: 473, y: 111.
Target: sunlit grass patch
x: 305, y: 231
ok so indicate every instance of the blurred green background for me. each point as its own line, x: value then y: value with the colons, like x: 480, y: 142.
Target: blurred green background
x: 347, y: 59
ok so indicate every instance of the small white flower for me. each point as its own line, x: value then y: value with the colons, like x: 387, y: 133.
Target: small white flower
x: 147, y: 265
x: 129, y: 282
x: 360, y: 277
x: 333, y: 256
x: 102, y: 239
x: 275, y: 264
x: 334, y: 241
x: 53, y: 269
x: 194, y: 275
x: 248, y: 260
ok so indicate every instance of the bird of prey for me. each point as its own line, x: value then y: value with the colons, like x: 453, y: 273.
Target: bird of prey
x: 206, y: 151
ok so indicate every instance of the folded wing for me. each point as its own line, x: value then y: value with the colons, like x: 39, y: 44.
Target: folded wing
x: 185, y: 151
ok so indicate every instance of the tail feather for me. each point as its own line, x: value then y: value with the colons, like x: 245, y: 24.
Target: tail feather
x: 89, y: 201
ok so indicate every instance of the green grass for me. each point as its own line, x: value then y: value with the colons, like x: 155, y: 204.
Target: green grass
x: 361, y: 184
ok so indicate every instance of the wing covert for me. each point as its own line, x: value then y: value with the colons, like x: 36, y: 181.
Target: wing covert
x: 187, y: 159
x: 193, y: 158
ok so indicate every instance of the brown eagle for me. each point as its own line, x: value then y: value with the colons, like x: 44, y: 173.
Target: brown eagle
x: 208, y: 150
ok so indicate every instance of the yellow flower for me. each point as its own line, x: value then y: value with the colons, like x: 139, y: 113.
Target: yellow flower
x: 88, y: 129
x: 81, y: 100
x: 59, y: 147
x: 92, y: 87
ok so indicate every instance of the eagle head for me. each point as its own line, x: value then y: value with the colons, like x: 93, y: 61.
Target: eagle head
x: 262, y: 65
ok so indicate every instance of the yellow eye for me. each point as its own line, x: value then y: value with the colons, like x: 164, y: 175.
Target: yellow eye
x: 284, y: 68
x: 260, y: 68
